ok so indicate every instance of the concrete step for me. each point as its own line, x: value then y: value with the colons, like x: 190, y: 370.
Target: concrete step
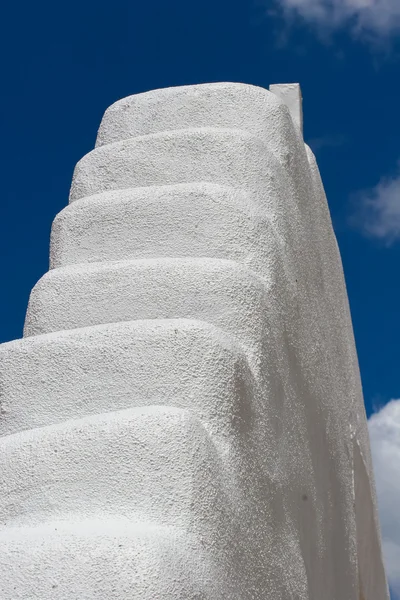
x: 221, y: 292
x: 225, y: 105
x: 197, y: 219
x: 154, y: 463
x: 113, y: 560
x: 50, y: 378
x: 222, y: 156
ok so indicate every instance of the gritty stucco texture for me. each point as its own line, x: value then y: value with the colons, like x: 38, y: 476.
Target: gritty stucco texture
x: 183, y: 418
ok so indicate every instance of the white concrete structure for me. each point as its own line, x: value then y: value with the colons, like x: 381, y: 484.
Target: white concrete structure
x: 183, y: 419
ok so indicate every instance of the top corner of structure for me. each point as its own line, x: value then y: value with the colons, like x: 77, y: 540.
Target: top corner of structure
x: 290, y: 94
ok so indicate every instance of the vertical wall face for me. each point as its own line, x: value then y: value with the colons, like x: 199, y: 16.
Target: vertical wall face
x: 183, y: 418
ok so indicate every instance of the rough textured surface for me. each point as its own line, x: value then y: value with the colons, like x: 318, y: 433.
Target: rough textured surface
x: 65, y: 375
x: 184, y: 220
x: 184, y: 416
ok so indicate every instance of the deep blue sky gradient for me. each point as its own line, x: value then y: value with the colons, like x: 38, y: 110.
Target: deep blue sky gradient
x: 63, y: 64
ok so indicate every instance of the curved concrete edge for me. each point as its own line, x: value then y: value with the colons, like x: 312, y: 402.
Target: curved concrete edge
x: 372, y: 577
x: 321, y: 202
x: 221, y: 292
x: 223, y: 156
x: 50, y: 378
x: 198, y: 219
x: 335, y: 284
x: 154, y: 463
x: 226, y: 105
x: 341, y: 335
x: 107, y: 561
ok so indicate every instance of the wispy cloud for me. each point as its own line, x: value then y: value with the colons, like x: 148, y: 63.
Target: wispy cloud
x: 334, y: 140
x: 377, y: 211
x: 370, y: 17
x: 384, y: 429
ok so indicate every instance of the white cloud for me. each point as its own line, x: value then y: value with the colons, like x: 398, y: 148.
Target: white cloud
x: 377, y: 211
x: 384, y: 429
x: 377, y: 17
x: 334, y: 140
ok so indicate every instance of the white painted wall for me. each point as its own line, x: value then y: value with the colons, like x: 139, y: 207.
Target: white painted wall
x: 184, y: 417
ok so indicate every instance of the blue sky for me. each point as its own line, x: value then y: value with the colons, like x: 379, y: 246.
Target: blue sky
x: 64, y: 63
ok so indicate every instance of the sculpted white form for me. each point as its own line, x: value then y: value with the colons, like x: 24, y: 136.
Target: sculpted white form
x: 183, y: 419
